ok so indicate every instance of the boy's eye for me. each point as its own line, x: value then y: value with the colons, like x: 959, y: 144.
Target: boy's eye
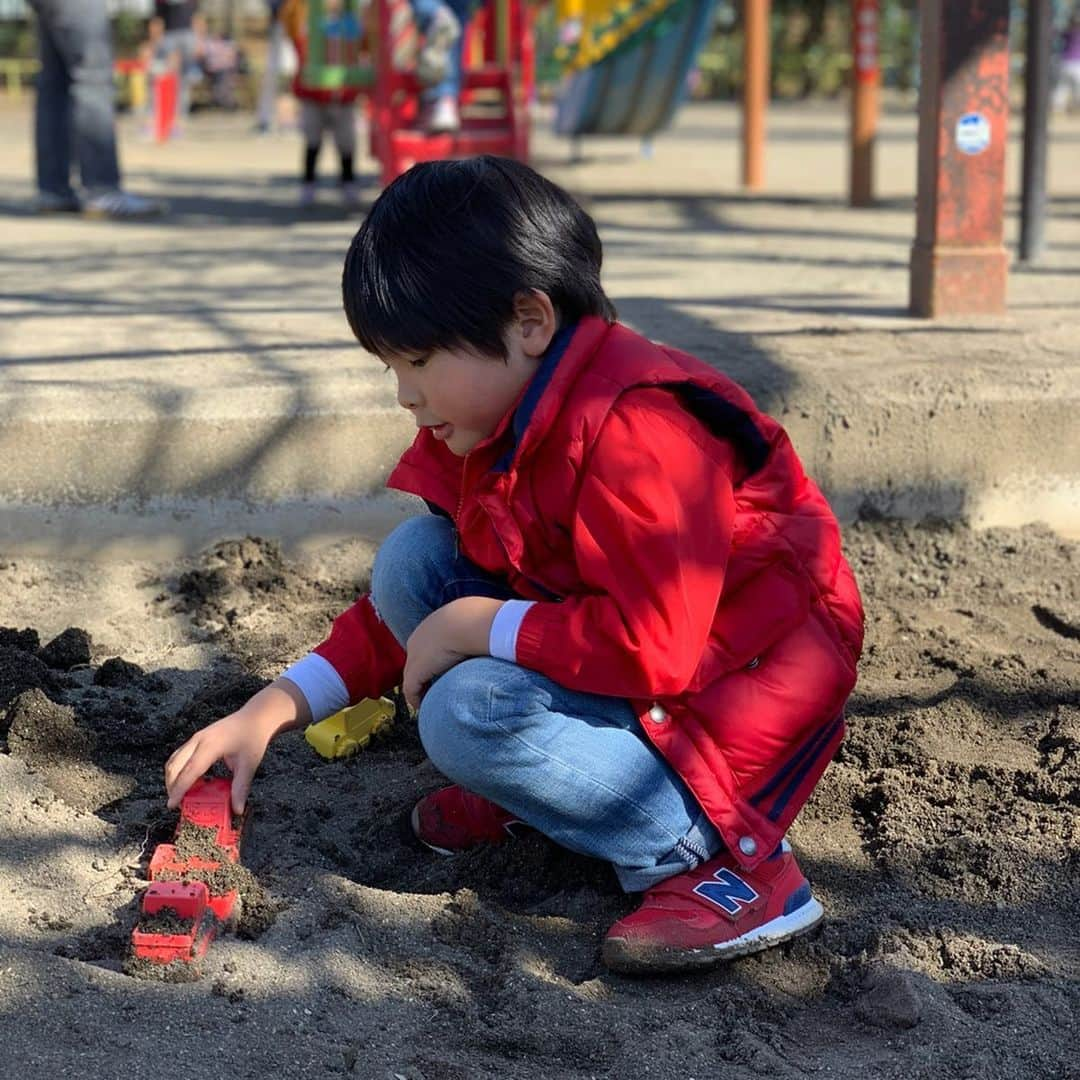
x: 420, y: 361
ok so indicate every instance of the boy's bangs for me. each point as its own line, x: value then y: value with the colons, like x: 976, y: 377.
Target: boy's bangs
x: 397, y: 308
x: 403, y: 303
x: 391, y: 326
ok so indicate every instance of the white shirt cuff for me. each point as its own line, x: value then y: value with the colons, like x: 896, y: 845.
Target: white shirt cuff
x: 321, y: 685
x: 502, y: 641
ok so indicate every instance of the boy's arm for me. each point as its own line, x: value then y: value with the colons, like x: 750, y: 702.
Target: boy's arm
x: 652, y: 533
x: 363, y: 652
x: 359, y: 659
x: 239, y: 739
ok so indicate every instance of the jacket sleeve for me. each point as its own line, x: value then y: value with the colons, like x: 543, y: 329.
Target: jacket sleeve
x: 651, y: 536
x: 363, y: 652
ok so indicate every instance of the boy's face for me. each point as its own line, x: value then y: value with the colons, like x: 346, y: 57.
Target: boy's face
x: 461, y: 395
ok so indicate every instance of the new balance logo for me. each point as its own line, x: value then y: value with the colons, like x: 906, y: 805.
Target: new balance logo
x: 728, y: 891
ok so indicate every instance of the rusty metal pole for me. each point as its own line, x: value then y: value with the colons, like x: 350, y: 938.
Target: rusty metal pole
x: 865, y: 93
x: 959, y: 265
x: 756, y: 48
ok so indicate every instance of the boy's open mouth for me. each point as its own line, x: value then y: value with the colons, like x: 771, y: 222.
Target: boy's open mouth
x: 440, y: 431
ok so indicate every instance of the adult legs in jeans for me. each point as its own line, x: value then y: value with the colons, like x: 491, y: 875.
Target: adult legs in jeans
x: 75, y: 98
x: 572, y: 765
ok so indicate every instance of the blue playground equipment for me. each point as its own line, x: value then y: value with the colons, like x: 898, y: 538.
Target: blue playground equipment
x: 628, y: 68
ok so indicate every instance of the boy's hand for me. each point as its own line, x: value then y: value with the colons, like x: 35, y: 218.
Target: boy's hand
x: 239, y: 739
x: 447, y: 636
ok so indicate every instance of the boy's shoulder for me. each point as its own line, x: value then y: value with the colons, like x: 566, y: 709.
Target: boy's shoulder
x: 629, y: 357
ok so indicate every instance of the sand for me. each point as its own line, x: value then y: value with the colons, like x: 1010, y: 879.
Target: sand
x: 944, y: 843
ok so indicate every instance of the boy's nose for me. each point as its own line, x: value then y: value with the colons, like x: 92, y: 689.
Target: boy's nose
x: 408, y: 396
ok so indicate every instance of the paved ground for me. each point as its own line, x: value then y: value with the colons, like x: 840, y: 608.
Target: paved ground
x: 201, y: 366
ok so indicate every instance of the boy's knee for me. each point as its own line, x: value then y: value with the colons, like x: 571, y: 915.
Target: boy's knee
x: 454, y: 718
x: 414, y: 539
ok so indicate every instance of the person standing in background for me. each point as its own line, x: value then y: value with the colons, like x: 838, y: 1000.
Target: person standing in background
x: 74, y: 114
x: 439, y: 62
x: 180, y: 41
x: 1067, y: 83
x: 272, y: 72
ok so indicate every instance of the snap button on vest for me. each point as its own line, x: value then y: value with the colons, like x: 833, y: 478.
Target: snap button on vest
x: 658, y: 714
x: 747, y: 845
x: 753, y: 663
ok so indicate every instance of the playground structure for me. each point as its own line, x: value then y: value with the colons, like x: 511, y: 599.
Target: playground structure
x: 626, y: 64
x: 497, y: 84
x: 373, y: 48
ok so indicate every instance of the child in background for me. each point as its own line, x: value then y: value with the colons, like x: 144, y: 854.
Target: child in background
x: 439, y: 62
x: 341, y: 33
x: 322, y: 110
x: 627, y: 624
x: 178, y: 47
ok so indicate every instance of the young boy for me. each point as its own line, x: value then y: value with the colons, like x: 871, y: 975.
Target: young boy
x: 628, y: 622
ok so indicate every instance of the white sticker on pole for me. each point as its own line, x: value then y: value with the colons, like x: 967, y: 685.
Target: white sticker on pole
x: 972, y: 133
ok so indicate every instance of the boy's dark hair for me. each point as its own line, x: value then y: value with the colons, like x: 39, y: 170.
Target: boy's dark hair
x: 449, y: 244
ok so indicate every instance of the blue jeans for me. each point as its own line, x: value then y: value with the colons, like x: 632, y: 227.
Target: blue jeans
x: 423, y: 12
x: 74, y: 107
x: 574, y: 766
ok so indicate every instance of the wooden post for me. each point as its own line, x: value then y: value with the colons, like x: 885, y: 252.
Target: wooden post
x: 756, y: 49
x: 865, y: 92
x: 959, y: 265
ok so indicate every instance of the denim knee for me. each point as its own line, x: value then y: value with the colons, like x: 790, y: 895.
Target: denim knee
x: 395, y: 562
x: 452, y: 719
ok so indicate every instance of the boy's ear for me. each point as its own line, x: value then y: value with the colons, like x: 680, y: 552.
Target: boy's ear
x: 535, y: 321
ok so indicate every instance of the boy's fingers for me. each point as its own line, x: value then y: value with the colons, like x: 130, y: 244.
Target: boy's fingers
x: 195, y: 766
x: 243, y: 774
x: 411, y: 690
x: 177, y: 760
x: 414, y: 693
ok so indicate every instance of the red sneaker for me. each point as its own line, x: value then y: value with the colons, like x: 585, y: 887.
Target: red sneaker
x: 454, y: 819
x: 714, y: 913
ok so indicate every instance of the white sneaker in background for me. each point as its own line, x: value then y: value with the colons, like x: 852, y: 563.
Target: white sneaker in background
x: 441, y: 117
x: 122, y: 205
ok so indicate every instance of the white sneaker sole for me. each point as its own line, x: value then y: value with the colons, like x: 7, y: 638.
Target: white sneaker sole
x: 632, y: 957
x: 414, y: 821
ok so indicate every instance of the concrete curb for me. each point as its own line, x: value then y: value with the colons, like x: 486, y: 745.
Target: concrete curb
x: 168, y: 383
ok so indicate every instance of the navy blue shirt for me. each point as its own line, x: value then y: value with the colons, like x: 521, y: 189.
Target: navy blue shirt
x: 176, y: 14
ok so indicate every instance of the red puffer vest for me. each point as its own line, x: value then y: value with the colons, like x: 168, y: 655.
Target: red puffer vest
x: 750, y: 711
